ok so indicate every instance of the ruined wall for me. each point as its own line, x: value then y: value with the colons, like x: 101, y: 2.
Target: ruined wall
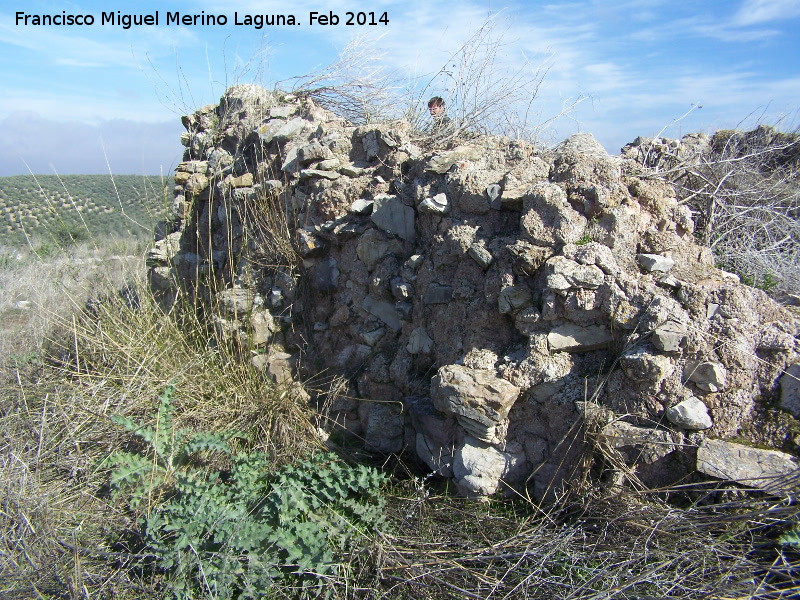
x: 480, y: 302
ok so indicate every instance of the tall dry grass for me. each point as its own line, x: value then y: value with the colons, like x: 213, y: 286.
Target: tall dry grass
x: 93, y: 343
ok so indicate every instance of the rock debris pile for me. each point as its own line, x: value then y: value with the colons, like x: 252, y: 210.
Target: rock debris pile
x: 490, y: 306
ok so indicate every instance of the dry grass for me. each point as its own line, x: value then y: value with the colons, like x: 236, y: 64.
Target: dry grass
x: 593, y: 546
x: 745, y: 197
x: 67, y: 368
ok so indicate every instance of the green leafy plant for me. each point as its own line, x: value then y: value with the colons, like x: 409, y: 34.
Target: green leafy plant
x: 768, y: 283
x: 138, y: 476
x: 237, y: 533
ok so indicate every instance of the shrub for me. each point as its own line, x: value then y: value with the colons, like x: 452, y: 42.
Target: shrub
x: 745, y: 195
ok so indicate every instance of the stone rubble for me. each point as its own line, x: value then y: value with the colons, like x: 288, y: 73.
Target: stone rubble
x: 475, y: 297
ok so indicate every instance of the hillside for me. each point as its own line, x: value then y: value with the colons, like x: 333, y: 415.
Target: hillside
x: 61, y: 208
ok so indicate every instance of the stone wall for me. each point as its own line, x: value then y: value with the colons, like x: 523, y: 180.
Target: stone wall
x: 478, y: 304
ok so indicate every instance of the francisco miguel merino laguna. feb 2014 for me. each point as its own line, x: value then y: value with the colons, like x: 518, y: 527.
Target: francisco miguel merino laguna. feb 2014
x: 126, y: 21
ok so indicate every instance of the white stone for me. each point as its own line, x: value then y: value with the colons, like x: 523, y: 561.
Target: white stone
x: 478, y: 468
x: 692, y: 414
x: 709, y: 376
x: 437, y: 205
x: 655, y: 262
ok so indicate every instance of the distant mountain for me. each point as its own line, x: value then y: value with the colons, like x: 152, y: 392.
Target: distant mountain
x: 71, y: 208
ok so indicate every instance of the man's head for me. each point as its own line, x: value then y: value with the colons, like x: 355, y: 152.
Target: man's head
x: 436, y: 106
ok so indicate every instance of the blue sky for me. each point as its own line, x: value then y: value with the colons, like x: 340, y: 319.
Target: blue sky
x: 89, y: 99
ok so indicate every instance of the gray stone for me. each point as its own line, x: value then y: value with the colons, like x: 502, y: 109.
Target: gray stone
x: 318, y: 174
x: 414, y: 261
x: 236, y: 301
x: 709, y: 376
x: 655, y: 262
x: 373, y: 337
x: 419, y: 342
x: 773, y: 339
x: 384, y: 311
x: 371, y: 145
x: 564, y: 275
x: 164, y: 251
x: 263, y: 328
x: 320, y: 326
x: 650, y: 444
x: 493, y: 192
x: 289, y: 130
x: 752, y: 467
x: 330, y: 164
x: 481, y: 255
x: 513, y: 298
x: 441, y: 163
x: 276, y: 297
x: 691, y: 414
x: 669, y: 281
x: 641, y: 365
x: 712, y: 310
x: 373, y: 247
x: 390, y: 138
x: 402, y: 290
x: 478, y: 468
x: 290, y: 163
x: 438, y: 294
x: 574, y: 338
x: 405, y: 310
x: 362, y: 206
x: 271, y: 185
x: 437, y: 205
x: 790, y: 390
x: 391, y: 215
x: 548, y: 219
x: 278, y: 365
x: 313, y: 152
x: 327, y: 275
x: 384, y: 428
x: 345, y: 230
x: 308, y: 244
x: 593, y: 253
x: 476, y: 395
x: 266, y: 132
x: 282, y: 112
x: 669, y: 337
x: 219, y: 161
x: 351, y: 170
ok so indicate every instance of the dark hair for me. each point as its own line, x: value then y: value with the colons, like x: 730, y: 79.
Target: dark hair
x: 435, y: 101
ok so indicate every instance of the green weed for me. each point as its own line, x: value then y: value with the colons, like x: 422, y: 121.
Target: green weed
x: 241, y: 532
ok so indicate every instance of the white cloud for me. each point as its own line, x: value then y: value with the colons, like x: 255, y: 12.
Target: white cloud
x: 754, y: 12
